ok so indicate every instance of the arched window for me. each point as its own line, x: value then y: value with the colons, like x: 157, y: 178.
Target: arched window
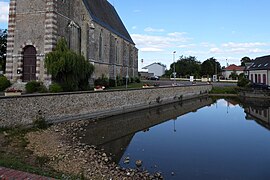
x: 29, y: 63
x: 100, y: 47
x: 116, y: 52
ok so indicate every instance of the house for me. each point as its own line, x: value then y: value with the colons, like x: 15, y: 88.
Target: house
x: 91, y: 27
x: 259, y: 71
x: 232, y: 68
x: 157, y: 69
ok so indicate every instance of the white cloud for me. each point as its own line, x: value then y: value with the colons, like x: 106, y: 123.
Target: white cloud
x: 4, y: 8
x: 153, y: 43
x: 151, y: 49
x: 215, y: 50
x: 243, y: 45
x: 134, y: 27
x: 187, y: 46
x: 149, y: 29
x: 136, y: 11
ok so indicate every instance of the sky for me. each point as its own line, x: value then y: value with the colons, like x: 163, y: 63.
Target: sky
x: 226, y: 30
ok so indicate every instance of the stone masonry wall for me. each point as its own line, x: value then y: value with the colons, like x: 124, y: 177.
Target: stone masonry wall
x: 23, y: 110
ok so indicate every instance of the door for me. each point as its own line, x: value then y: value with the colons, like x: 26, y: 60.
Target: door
x: 29, y: 64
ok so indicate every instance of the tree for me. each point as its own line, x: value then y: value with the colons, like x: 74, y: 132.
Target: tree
x: 245, y: 60
x: 210, y: 67
x: 67, y: 68
x: 3, y: 49
x: 185, y: 66
x: 233, y: 75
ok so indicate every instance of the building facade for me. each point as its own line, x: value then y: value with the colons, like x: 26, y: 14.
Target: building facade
x: 226, y: 73
x: 259, y: 70
x: 157, y: 69
x: 91, y: 28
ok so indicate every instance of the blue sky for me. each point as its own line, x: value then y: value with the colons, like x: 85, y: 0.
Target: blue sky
x: 228, y: 29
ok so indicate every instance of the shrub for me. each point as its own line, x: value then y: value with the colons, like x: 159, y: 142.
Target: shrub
x: 55, y: 88
x: 103, y: 81
x: 112, y: 82
x: 4, y: 83
x: 137, y: 80
x: 131, y: 80
x: 119, y: 81
x: 243, y: 82
x: 35, y: 86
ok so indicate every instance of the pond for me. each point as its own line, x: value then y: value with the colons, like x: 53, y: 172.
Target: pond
x: 197, y: 139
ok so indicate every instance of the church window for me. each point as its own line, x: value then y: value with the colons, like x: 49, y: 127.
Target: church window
x: 100, y: 46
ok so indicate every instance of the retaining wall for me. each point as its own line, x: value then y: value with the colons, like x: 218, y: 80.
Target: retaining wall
x: 23, y: 110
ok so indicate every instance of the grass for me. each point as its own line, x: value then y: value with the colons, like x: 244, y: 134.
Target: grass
x: 224, y: 90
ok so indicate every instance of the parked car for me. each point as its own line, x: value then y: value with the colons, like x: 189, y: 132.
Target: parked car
x: 154, y: 78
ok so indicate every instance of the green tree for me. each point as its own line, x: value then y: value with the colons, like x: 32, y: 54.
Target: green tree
x: 185, y: 66
x: 70, y: 70
x: 210, y: 67
x: 233, y: 75
x: 245, y: 60
x: 3, y: 49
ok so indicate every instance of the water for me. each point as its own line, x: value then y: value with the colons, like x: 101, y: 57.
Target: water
x: 197, y: 139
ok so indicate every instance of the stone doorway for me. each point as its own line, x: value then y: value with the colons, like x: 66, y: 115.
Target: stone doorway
x: 29, y: 64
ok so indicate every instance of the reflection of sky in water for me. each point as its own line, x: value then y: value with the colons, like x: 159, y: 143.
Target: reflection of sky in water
x: 216, y: 142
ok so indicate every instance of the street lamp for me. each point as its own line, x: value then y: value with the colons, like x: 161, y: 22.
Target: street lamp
x: 174, y: 73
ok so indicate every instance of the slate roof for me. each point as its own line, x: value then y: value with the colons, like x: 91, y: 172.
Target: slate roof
x: 105, y: 15
x: 260, y: 63
x: 233, y: 67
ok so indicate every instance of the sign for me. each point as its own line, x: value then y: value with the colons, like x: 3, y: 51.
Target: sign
x: 191, y: 78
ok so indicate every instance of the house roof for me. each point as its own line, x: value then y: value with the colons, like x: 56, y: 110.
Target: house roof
x: 146, y: 67
x: 234, y: 67
x: 105, y: 15
x: 260, y: 63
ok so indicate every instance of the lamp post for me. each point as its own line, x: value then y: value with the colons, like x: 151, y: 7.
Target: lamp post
x: 174, y: 73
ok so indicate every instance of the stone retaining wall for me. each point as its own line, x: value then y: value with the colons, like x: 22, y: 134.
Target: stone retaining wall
x: 23, y: 110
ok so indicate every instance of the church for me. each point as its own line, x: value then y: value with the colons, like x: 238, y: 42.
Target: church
x: 91, y: 27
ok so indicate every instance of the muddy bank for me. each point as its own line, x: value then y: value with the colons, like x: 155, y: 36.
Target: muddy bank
x: 60, y: 145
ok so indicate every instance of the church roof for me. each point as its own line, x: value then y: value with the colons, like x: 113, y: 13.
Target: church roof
x: 105, y: 14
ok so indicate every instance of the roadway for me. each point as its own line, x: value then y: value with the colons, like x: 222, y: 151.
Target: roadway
x: 164, y: 82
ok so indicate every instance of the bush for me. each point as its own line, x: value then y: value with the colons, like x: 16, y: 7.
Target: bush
x: 119, y: 81
x: 4, y: 83
x: 131, y: 80
x: 243, y: 82
x: 112, y: 82
x: 137, y: 80
x: 35, y: 86
x: 55, y: 88
x: 103, y: 81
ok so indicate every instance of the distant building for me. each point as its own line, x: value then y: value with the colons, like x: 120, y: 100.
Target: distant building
x: 259, y: 70
x: 157, y: 69
x: 232, y: 68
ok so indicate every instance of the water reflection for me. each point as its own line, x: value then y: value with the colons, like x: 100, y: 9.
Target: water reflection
x: 257, y: 110
x: 115, y: 133
x: 197, y: 139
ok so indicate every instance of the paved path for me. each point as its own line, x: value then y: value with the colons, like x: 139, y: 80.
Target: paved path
x: 10, y: 174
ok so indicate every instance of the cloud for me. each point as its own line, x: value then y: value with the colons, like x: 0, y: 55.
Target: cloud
x: 151, y: 43
x: 136, y: 10
x: 4, y: 8
x: 243, y: 45
x: 134, y: 27
x: 149, y: 29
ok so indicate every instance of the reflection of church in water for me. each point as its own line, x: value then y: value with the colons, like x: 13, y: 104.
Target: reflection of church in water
x: 259, y: 111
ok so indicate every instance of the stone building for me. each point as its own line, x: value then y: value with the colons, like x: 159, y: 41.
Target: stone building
x: 91, y: 27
